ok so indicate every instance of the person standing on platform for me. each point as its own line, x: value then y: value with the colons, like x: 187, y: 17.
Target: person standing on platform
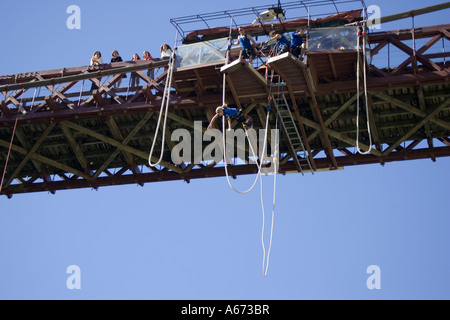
x: 96, y: 60
x: 297, y: 44
x: 117, y: 58
x: 134, y: 75
x: 247, y: 46
x: 147, y: 56
x: 166, y: 51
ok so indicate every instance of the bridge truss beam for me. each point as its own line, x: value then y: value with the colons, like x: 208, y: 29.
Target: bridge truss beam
x: 69, y: 137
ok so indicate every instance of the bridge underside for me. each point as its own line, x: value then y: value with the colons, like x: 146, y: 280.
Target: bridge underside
x: 67, y: 138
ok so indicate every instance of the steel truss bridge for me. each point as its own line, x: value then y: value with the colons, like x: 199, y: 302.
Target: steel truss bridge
x: 66, y: 136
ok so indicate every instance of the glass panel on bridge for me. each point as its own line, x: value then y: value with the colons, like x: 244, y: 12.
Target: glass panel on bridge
x: 201, y: 53
x: 336, y: 38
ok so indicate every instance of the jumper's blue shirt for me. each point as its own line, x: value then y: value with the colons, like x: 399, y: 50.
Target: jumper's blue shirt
x: 245, y: 42
x: 283, y: 42
x: 296, y: 40
x: 230, y: 112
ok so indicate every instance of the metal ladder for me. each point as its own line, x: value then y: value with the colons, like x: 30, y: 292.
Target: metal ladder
x: 291, y: 131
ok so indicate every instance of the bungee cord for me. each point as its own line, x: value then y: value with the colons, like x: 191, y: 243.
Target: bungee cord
x: 265, y: 263
x: 259, y: 165
x: 266, y: 257
x: 164, y: 109
x: 365, y: 93
x: 11, y: 142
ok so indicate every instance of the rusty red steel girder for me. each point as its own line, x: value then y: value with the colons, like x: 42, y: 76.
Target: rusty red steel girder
x: 214, y: 172
x: 66, y: 111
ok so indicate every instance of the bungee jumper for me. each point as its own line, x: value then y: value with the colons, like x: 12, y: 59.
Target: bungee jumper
x: 232, y: 113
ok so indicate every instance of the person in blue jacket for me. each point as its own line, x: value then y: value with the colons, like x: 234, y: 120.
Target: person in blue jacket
x: 297, y: 45
x: 283, y: 44
x: 232, y: 113
x: 247, y: 45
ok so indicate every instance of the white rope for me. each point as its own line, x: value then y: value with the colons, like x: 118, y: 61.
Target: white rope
x: 81, y: 92
x: 275, y: 164
x: 275, y: 160
x: 365, y: 97
x: 164, y: 109
x: 32, y: 101
x: 246, y: 134
x: 259, y: 165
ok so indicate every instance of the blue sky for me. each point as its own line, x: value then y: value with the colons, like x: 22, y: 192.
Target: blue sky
x: 173, y: 240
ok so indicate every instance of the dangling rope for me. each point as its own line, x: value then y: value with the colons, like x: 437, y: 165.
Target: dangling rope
x: 164, y: 109
x: 413, y: 37
x: 32, y: 101
x: 265, y: 263
x: 128, y: 89
x: 265, y: 260
x: 365, y: 93
x: 275, y: 160
x: 259, y: 165
x: 11, y: 142
x: 443, y: 50
x: 81, y: 92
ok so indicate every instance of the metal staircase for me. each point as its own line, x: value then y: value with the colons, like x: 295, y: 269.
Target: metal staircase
x: 290, y: 130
